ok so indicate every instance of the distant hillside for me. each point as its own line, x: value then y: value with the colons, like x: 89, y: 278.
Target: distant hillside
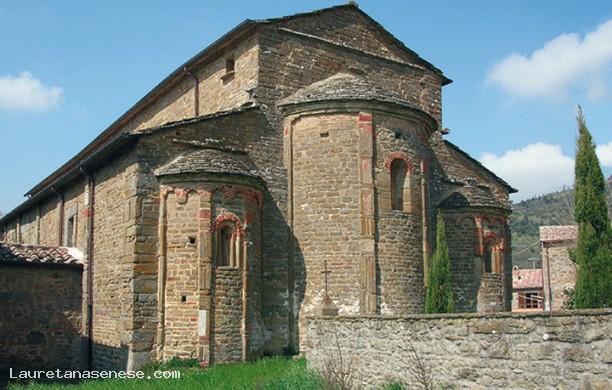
x: 528, y: 215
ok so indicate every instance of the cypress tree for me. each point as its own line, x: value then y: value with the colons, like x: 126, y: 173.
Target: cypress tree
x: 593, y: 252
x: 439, y: 294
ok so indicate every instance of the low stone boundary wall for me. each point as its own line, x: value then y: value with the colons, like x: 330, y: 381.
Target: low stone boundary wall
x: 40, y: 317
x: 558, y: 350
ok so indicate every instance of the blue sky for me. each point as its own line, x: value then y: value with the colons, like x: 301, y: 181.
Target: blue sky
x: 69, y: 68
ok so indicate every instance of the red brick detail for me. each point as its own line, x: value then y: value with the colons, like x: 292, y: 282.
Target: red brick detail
x: 363, y: 117
x: 87, y: 212
x: 181, y: 193
x: 402, y: 156
x: 205, y: 194
x: 286, y: 131
x: 221, y: 219
x: 205, y: 214
x: 229, y: 192
x: 249, y: 217
x: 165, y: 191
x: 366, y: 163
x: 252, y: 195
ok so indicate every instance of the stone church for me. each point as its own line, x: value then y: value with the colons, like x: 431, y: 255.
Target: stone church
x: 290, y: 151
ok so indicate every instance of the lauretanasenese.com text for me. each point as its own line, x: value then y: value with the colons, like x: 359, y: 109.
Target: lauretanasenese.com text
x: 90, y: 374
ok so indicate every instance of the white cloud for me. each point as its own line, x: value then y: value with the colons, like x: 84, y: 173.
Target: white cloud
x: 566, y: 61
x: 534, y: 170
x: 25, y: 92
x: 604, y: 153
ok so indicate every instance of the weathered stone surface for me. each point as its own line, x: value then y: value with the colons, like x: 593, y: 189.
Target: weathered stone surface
x: 475, y: 358
x: 40, y: 328
x: 319, y: 134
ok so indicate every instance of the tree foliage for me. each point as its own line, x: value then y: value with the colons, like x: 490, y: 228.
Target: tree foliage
x: 593, y: 252
x: 439, y: 295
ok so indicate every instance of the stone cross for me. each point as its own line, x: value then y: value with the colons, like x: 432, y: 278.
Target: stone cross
x: 328, y: 308
x: 326, y: 272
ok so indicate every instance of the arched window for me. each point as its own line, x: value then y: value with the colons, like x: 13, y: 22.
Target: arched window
x: 491, y: 256
x: 399, y: 175
x: 226, y: 252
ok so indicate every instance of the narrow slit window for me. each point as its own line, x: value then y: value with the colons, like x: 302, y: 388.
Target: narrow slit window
x: 230, y: 64
x: 71, y: 231
x: 399, y: 176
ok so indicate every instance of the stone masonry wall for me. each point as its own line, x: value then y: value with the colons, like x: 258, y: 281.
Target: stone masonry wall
x: 113, y: 283
x: 218, y: 89
x: 400, y: 232
x: 310, y: 48
x: 558, y: 269
x: 327, y: 210
x: 558, y: 350
x: 211, y: 311
x: 465, y: 267
x: 181, y: 300
x: 562, y: 272
x: 246, y: 130
x: 40, y: 329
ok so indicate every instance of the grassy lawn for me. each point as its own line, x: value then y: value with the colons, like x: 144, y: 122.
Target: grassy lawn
x: 272, y: 373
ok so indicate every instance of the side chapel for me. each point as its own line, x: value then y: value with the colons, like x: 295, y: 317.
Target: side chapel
x: 207, y: 212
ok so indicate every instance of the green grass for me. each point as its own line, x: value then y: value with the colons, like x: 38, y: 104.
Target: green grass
x: 272, y: 373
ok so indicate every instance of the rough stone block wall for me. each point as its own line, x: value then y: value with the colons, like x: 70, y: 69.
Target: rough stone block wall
x: 559, y: 350
x: 327, y: 211
x: 249, y: 131
x: 217, y: 89
x: 562, y: 272
x: 490, y: 295
x: 38, y: 225
x: 227, y: 319
x: 312, y: 48
x: 559, y: 270
x: 206, y: 312
x: 29, y: 227
x: 75, y: 199
x: 113, y: 277
x: 49, y: 221
x: 41, y: 328
x: 400, y: 232
x: 181, y: 317
x: 465, y: 267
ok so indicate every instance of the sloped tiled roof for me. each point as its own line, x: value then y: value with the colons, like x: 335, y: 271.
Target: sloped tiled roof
x: 209, y: 161
x: 453, y: 160
x: 21, y: 253
x: 471, y: 196
x: 342, y: 86
x: 526, y: 279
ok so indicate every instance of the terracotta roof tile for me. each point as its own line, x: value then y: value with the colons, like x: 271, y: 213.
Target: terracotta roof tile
x: 21, y: 253
x: 523, y: 279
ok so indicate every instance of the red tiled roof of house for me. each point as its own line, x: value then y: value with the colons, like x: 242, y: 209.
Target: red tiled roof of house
x: 20, y: 253
x: 524, y: 279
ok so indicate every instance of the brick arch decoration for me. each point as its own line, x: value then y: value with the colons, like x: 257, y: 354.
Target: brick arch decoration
x: 398, y: 155
x: 228, y: 192
x: 223, y: 219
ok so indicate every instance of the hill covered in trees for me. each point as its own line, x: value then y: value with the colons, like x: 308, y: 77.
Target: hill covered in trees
x: 527, y: 216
